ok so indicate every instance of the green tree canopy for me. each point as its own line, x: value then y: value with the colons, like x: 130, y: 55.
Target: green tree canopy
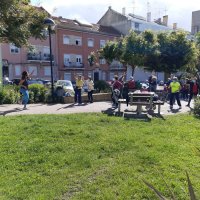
x: 19, y: 21
x: 177, y: 52
x: 164, y: 51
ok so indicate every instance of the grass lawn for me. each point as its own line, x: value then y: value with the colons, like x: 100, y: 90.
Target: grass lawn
x: 93, y: 156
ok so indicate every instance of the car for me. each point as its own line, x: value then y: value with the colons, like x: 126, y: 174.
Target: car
x: 31, y: 81
x: 66, y: 85
x: 16, y: 81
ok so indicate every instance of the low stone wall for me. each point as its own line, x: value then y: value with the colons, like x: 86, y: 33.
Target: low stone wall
x: 96, y: 97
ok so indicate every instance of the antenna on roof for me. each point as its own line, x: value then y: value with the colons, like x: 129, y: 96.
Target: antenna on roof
x: 134, y: 6
x: 165, y: 11
x: 148, y: 6
x: 148, y: 12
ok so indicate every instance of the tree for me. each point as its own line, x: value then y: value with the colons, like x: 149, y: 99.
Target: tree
x: 151, y: 51
x: 112, y: 51
x: 19, y: 21
x: 176, y: 52
x: 133, y: 50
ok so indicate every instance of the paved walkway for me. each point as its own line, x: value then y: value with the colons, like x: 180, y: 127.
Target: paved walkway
x: 16, y: 109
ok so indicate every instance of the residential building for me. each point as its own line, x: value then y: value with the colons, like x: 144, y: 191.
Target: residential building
x: 75, y: 42
x: 35, y: 58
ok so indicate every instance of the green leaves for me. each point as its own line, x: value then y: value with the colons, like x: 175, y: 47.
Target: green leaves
x: 163, y: 51
x: 19, y: 21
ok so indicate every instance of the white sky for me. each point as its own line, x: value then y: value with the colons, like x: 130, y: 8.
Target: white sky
x: 179, y: 11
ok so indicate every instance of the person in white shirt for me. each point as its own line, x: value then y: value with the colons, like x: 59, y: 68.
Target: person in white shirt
x: 90, y: 85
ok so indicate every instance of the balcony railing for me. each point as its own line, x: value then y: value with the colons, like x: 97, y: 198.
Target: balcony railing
x: 39, y: 57
x: 73, y: 65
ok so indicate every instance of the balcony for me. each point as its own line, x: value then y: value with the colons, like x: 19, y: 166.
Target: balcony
x: 73, y: 65
x: 35, y: 57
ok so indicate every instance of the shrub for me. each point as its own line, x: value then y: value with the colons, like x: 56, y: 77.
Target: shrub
x: 197, y: 107
x: 37, y: 93
x: 9, y: 95
x: 102, y: 86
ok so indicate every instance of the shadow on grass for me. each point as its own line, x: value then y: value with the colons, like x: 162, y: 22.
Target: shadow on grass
x: 11, y: 111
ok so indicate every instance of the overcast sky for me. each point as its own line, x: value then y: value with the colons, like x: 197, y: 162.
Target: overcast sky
x: 178, y: 11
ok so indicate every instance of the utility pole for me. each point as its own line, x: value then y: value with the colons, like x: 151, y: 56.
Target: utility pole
x: 1, y: 68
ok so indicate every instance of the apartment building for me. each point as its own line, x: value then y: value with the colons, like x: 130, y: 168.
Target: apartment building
x: 35, y: 58
x: 75, y: 42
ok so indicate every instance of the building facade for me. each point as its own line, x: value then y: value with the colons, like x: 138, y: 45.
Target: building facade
x: 75, y: 42
x: 35, y: 58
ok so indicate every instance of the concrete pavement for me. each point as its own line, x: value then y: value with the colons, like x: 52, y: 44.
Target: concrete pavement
x: 16, y: 109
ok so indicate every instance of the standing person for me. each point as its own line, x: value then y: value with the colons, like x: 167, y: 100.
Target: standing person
x: 78, y: 89
x: 131, y: 84
x: 90, y: 85
x: 116, y: 90
x: 193, y: 90
x: 24, y: 88
x: 175, y: 87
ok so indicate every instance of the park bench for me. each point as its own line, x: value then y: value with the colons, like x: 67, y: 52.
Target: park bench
x: 120, y: 101
x: 159, y: 104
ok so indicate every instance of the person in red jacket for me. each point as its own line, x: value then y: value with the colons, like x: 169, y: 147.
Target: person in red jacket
x: 131, y: 84
x: 116, y: 90
x: 194, y: 89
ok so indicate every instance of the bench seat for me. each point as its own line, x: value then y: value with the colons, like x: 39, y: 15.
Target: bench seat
x: 159, y: 103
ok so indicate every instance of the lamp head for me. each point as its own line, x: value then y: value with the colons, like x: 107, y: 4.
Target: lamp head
x: 49, y: 23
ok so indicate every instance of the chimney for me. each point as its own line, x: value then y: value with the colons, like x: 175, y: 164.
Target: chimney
x: 174, y: 26
x: 109, y: 7
x: 149, y: 17
x: 165, y: 20
x: 124, y: 11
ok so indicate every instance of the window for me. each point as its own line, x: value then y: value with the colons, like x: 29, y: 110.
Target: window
x: 102, y: 43
x: 103, y: 75
x: 17, y: 70
x: 67, y: 60
x: 137, y: 25
x: 89, y: 74
x: 102, y: 61
x: 67, y: 76
x: 90, y: 42
x: 47, y: 71
x: 78, y: 59
x: 78, y: 42
x: 65, y: 39
x: 111, y: 75
x: 14, y: 49
x: 32, y: 69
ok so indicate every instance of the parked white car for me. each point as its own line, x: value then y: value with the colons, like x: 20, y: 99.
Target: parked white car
x: 66, y: 86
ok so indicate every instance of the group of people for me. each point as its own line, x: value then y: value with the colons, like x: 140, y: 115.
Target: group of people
x: 78, y: 88
x: 175, y: 88
x: 121, y: 88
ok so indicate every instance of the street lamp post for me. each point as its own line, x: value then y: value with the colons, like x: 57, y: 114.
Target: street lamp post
x: 50, y: 25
